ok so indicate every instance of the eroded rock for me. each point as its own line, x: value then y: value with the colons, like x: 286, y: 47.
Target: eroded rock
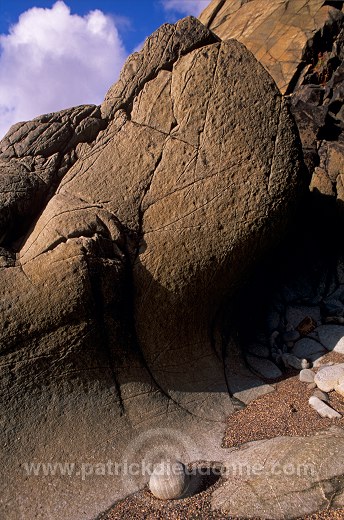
x: 110, y: 303
x: 303, y: 480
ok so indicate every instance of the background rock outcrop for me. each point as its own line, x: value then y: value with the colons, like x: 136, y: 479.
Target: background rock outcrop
x: 301, y: 45
x: 133, y: 223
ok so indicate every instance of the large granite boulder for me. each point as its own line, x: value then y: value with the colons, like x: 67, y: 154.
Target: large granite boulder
x: 132, y: 224
x: 279, y: 33
x: 302, y: 46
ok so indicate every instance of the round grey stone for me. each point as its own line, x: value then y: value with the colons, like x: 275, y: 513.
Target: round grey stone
x: 308, y: 348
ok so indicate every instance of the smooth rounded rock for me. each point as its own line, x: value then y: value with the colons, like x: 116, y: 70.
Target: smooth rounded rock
x: 329, y: 377
x: 332, y: 337
x: 168, y: 480
x: 334, y: 307
x: 323, y: 396
x: 306, y: 375
x: 308, y: 348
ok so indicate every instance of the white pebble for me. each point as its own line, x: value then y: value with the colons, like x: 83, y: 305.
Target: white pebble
x: 307, y: 375
x: 323, y: 409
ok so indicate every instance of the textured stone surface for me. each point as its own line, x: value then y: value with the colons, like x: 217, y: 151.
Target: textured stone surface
x: 276, y: 32
x: 34, y: 158
x: 301, y: 45
x: 110, y: 293
x: 285, y: 477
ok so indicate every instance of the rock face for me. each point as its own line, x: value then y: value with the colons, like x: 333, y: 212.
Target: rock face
x: 130, y: 225
x: 278, y: 33
x: 301, y: 45
x: 281, y: 478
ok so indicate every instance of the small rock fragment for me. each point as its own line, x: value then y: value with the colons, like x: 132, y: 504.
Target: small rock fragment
x: 292, y: 361
x: 273, y: 339
x: 306, y: 326
x: 337, y: 320
x: 323, y: 409
x: 323, y: 396
x: 307, y: 375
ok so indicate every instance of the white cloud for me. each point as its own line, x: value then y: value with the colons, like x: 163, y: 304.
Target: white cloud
x: 52, y: 60
x: 187, y: 7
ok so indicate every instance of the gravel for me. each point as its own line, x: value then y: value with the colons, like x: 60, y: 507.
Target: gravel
x: 284, y: 412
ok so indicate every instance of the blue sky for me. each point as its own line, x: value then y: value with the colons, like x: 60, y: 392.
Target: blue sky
x: 57, y: 54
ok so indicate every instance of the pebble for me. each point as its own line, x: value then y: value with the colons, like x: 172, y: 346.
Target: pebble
x: 168, y: 480
x: 292, y: 361
x: 264, y: 367
x: 307, y: 375
x: 332, y: 337
x: 328, y: 378
x: 323, y: 396
x: 308, y: 348
x: 323, y: 409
